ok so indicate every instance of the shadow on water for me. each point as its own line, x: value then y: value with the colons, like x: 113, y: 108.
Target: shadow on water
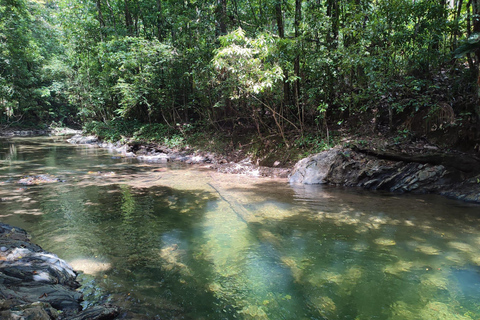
x: 136, y: 244
x: 364, y: 255
x: 171, y: 242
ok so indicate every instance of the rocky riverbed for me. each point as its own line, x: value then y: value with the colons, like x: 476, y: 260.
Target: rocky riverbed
x: 35, y: 284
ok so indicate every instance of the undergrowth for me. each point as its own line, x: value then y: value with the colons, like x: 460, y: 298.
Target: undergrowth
x: 262, y: 150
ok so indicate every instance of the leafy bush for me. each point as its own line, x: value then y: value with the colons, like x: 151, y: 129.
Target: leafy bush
x: 114, y: 130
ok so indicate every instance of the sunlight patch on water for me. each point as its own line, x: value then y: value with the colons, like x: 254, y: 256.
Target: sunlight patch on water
x: 430, y: 250
x: 441, y: 311
x: 461, y: 246
x: 437, y: 281
x: 385, y: 242
x: 30, y: 211
x: 184, y: 242
x: 398, y: 267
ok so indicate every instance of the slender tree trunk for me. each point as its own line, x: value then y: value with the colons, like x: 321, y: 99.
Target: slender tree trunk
x: 279, y: 18
x: 281, y: 34
x: 456, y: 32
x: 254, y: 14
x: 112, y: 15
x: 238, y: 20
x: 159, y: 21
x: 100, y: 17
x: 222, y: 16
x: 296, y: 66
x: 128, y: 18
x: 476, y: 29
x: 334, y: 13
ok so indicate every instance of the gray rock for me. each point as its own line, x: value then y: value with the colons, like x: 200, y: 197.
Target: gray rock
x: 98, y: 313
x: 79, y: 139
x: 35, y: 284
x: 158, y: 158
x: 351, y: 168
x: 314, y: 169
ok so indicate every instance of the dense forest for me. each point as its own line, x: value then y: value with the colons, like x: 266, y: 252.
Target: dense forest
x: 295, y: 70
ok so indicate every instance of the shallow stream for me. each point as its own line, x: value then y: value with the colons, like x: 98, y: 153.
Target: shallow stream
x: 167, y: 241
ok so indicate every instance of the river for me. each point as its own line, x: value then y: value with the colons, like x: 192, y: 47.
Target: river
x: 169, y: 241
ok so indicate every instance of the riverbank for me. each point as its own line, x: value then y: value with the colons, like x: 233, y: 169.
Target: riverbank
x: 36, y: 284
x: 380, y: 164
x: 393, y: 165
x: 236, y: 163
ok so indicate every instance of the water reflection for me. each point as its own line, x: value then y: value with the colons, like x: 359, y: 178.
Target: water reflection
x: 176, y: 242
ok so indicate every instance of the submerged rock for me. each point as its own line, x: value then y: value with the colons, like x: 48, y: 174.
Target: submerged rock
x: 40, y: 179
x: 35, y: 284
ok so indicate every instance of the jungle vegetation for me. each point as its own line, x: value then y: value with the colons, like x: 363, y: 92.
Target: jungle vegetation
x: 294, y: 70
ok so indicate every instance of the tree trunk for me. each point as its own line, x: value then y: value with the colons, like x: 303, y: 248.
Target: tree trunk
x: 281, y: 34
x: 222, y: 16
x: 128, y: 18
x: 334, y: 13
x: 279, y: 18
x: 112, y: 16
x: 159, y: 21
x: 476, y: 29
x: 100, y: 18
x: 296, y: 66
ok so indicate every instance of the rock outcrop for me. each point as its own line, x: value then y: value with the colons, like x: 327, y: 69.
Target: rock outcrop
x: 35, y: 284
x: 395, y: 173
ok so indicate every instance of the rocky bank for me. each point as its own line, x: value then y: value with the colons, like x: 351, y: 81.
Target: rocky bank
x: 35, y: 284
x: 451, y: 174
x: 155, y: 153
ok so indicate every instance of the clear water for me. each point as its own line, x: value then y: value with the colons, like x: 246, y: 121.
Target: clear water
x: 175, y: 242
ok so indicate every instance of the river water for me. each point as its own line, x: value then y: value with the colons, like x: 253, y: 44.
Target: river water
x: 167, y: 241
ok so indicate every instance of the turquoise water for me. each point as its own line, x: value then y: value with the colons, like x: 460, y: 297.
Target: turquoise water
x: 183, y: 242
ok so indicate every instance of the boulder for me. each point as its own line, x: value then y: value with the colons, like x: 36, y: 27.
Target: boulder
x: 315, y: 168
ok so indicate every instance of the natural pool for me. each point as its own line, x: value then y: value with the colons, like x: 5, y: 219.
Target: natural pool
x: 167, y: 241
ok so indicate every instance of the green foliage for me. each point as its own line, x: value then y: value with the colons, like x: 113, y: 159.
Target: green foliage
x: 246, y: 66
x: 312, y: 143
x: 280, y: 68
x: 119, y: 129
x: 113, y: 130
x: 30, y: 90
x: 468, y: 46
x: 133, y: 69
x: 152, y: 132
